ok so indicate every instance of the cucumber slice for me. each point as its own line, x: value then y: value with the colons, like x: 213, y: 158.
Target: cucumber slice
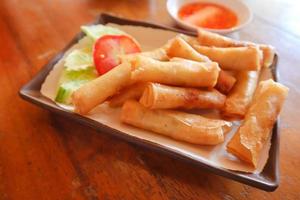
x: 83, y: 74
x: 71, y: 81
x: 65, y: 91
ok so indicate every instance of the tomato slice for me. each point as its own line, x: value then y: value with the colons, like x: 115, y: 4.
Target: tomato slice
x: 108, y: 48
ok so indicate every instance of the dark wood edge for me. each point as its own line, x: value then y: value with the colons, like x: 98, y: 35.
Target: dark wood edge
x: 258, y: 181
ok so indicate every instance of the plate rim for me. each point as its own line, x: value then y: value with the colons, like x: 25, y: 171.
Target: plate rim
x: 255, y: 180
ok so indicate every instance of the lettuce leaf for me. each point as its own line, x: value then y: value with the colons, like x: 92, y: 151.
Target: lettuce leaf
x: 79, y: 59
x: 97, y: 31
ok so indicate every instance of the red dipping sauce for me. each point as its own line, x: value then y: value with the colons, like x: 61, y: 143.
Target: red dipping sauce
x: 208, y: 15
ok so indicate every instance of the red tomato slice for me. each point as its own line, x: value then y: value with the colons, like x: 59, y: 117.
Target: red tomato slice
x: 108, y: 48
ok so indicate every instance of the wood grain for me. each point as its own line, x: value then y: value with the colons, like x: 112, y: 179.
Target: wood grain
x: 44, y: 156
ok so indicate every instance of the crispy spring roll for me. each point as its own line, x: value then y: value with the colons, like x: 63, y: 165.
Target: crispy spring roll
x: 189, y: 39
x: 178, y: 125
x: 240, y: 97
x: 206, y: 38
x: 188, y: 73
x: 157, y: 96
x: 134, y: 91
x: 180, y: 48
x: 253, y: 134
x: 225, y: 82
x: 233, y: 58
x: 268, y: 54
x: 157, y: 54
x: 98, y: 90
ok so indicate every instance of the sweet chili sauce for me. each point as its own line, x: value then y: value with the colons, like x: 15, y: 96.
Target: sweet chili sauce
x: 208, y: 15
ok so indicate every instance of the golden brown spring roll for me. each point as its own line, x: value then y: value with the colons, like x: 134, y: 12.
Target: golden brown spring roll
x: 254, y: 132
x: 157, y: 96
x: 206, y: 38
x: 180, y: 48
x: 157, y: 54
x: 134, y: 91
x: 240, y: 97
x: 233, y: 58
x: 98, y: 90
x: 268, y: 54
x: 189, y: 39
x: 178, y: 125
x: 188, y: 73
x: 225, y: 82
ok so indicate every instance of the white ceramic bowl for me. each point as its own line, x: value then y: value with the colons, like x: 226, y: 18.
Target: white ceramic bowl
x: 242, y: 11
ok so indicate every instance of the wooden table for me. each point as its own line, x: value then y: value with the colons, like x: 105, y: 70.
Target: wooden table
x: 44, y: 156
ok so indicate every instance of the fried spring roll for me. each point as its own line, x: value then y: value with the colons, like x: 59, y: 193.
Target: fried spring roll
x: 233, y: 58
x: 207, y: 38
x: 225, y: 82
x: 185, y: 73
x: 253, y: 134
x: 178, y: 125
x: 134, y: 91
x: 268, y: 54
x: 157, y: 54
x: 212, y: 39
x: 190, y: 40
x: 98, y: 90
x: 240, y: 97
x: 157, y: 96
x: 180, y: 48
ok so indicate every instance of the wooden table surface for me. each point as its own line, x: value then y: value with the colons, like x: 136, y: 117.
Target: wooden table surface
x: 45, y: 156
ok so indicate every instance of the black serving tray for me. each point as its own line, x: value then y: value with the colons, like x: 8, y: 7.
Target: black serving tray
x: 267, y: 180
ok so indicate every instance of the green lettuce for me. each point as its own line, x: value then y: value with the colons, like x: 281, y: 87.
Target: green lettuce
x: 79, y: 59
x: 97, y: 31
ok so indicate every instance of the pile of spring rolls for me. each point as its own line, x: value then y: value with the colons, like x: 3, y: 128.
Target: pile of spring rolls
x: 157, y: 89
